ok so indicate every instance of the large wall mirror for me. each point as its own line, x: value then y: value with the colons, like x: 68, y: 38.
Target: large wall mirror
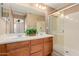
x: 11, y: 21
x: 15, y: 18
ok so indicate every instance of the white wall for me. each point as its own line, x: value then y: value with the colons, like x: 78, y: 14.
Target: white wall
x: 71, y: 34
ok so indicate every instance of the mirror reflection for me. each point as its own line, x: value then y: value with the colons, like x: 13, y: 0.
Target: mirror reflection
x: 16, y: 18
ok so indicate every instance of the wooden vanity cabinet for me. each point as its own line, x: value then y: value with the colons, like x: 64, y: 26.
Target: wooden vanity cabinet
x: 48, y: 46
x: 37, y: 47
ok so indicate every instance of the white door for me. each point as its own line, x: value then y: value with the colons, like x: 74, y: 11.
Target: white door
x: 56, y: 24
x: 71, y: 35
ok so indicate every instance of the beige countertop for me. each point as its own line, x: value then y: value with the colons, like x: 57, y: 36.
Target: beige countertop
x: 10, y: 38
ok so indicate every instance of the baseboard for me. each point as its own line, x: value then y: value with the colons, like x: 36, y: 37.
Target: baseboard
x: 71, y: 52
x: 65, y: 51
x: 58, y: 50
x: 55, y: 53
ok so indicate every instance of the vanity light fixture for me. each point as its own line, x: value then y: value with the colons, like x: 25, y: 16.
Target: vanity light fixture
x: 40, y: 6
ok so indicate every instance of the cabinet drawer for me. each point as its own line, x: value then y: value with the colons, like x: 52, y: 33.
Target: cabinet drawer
x: 47, y: 39
x: 40, y: 53
x: 19, y: 52
x: 13, y: 46
x: 36, y: 48
x: 38, y: 41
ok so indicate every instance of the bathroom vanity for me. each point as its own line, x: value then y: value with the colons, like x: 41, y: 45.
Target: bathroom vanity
x: 27, y: 46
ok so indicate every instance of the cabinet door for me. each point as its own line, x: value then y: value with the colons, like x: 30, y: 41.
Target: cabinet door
x: 36, y: 48
x: 48, y: 46
x: 3, y: 50
x: 19, y: 52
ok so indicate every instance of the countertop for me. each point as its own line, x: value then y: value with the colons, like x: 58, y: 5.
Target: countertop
x: 10, y: 38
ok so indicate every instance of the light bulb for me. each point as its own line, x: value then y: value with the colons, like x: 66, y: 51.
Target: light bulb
x: 43, y: 7
x: 36, y: 5
x: 62, y: 15
x: 40, y: 6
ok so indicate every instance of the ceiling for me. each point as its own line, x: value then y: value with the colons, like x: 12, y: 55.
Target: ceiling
x: 58, y: 6
x: 27, y: 8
